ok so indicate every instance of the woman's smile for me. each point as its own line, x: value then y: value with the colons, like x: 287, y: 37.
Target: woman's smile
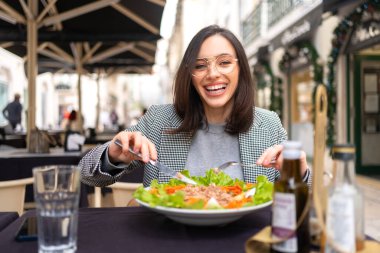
x: 216, y: 89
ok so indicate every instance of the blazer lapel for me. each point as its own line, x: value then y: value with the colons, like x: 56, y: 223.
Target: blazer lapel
x: 174, y: 148
x: 249, y: 143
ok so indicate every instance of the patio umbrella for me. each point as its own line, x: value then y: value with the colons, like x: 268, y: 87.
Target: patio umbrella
x: 79, y: 23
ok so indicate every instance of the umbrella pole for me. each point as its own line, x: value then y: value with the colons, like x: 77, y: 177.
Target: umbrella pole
x: 77, y: 52
x: 32, y: 38
x: 97, y: 101
x: 80, y: 118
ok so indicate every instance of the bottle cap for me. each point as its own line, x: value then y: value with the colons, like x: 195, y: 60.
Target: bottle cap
x: 292, y: 145
x: 343, y: 151
x: 292, y: 149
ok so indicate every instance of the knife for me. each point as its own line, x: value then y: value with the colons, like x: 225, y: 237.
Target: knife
x: 162, y: 167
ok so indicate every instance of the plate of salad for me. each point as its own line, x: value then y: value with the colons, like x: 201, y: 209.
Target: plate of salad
x: 217, y: 199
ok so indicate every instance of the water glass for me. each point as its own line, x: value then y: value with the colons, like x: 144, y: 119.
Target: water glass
x: 56, y: 193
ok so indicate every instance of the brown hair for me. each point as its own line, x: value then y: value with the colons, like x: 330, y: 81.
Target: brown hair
x: 187, y: 102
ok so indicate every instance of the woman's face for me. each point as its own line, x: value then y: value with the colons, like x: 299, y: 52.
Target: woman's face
x: 215, y: 76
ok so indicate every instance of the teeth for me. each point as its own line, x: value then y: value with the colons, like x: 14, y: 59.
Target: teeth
x: 216, y: 87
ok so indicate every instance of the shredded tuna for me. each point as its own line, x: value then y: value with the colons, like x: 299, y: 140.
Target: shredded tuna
x: 207, y: 192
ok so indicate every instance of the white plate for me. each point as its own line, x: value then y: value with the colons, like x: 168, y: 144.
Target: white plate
x: 204, y: 217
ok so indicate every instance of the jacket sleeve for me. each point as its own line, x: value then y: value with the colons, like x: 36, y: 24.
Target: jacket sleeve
x: 94, y: 165
x: 281, y: 137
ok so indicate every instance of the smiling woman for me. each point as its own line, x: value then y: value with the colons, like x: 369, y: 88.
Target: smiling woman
x: 213, y: 119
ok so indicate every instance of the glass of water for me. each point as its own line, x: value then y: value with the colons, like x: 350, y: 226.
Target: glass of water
x: 56, y: 193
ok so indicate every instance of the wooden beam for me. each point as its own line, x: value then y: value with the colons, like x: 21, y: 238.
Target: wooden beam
x: 53, y: 11
x: 119, y: 48
x: 7, y: 18
x: 158, y: 2
x: 143, y: 54
x: 125, y: 70
x: 42, y: 49
x: 53, y: 55
x: 42, y: 46
x: 76, y: 48
x: 77, y: 53
x: 48, y: 7
x: 78, y: 11
x: 26, y: 9
x: 148, y: 45
x: 12, y: 12
x: 32, y: 40
x: 89, y: 54
x: 86, y: 47
x: 7, y: 44
x: 61, y: 52
x: 139, y: 20
x: 59, y: 71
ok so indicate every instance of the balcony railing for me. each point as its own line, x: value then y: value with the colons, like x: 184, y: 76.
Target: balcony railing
x: 252, y: 25
x: 277, y: 9
x: 266, y: 14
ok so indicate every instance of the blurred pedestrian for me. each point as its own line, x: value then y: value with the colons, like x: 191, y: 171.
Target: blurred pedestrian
x: 12, y: 112
x: 114, y: 118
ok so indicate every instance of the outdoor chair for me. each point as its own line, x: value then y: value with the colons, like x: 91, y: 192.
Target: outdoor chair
x: 122, y: 194
x: 12, y: 194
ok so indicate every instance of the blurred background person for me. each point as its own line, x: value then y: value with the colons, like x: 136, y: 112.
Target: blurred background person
x: 12, y: 112
x: 114, y: 118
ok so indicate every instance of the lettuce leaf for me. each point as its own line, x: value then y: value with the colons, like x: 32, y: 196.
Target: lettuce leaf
x: 264, y: 190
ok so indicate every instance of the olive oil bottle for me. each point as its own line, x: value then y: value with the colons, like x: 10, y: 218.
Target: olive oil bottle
x: 344, y: 216
x: 289, y: 201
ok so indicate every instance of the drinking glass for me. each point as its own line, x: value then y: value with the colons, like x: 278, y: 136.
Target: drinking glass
x: 56, y: 193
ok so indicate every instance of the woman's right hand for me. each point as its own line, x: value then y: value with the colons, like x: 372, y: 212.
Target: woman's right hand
x: 137, y: 142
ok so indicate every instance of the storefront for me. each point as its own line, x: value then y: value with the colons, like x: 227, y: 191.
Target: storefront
x: 357, y: 37
x: 301, y: 71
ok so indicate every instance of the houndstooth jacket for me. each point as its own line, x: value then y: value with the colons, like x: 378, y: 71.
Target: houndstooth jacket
x: 173, y: 149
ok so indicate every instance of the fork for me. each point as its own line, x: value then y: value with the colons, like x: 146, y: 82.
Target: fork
x: 233, y: 163
x: 163, y: 168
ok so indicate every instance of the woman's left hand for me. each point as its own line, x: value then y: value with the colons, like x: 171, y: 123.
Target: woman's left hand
x: 272, y: 158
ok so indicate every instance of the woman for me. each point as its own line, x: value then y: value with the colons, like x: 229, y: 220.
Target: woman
x: 213, y: 120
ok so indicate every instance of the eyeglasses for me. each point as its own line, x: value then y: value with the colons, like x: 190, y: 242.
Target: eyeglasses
x: 224, y: 64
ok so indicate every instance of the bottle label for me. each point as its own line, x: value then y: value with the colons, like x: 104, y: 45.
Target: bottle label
x: 340, y: 223
x: 284, y: 222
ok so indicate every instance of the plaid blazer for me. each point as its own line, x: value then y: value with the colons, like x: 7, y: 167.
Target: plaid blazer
x: 173, y: 149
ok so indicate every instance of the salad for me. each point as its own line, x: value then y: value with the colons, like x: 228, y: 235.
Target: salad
x: 215, y: 190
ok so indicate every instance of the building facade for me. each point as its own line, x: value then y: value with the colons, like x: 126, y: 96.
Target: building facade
x: 295, y: 45
x: 292, y: 47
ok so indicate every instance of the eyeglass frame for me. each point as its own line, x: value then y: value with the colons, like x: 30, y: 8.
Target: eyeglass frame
x: 211, y: 59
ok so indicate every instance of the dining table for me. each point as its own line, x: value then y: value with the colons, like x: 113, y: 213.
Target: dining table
x: 140, y: 230
x: 7, y: 218
x: 18, y: 163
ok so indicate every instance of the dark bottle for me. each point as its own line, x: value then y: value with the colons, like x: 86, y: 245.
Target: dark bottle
x: 289, y: 201
x: 345, y: 207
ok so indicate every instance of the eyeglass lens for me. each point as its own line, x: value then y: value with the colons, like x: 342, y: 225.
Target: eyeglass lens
x: 224, y: 64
